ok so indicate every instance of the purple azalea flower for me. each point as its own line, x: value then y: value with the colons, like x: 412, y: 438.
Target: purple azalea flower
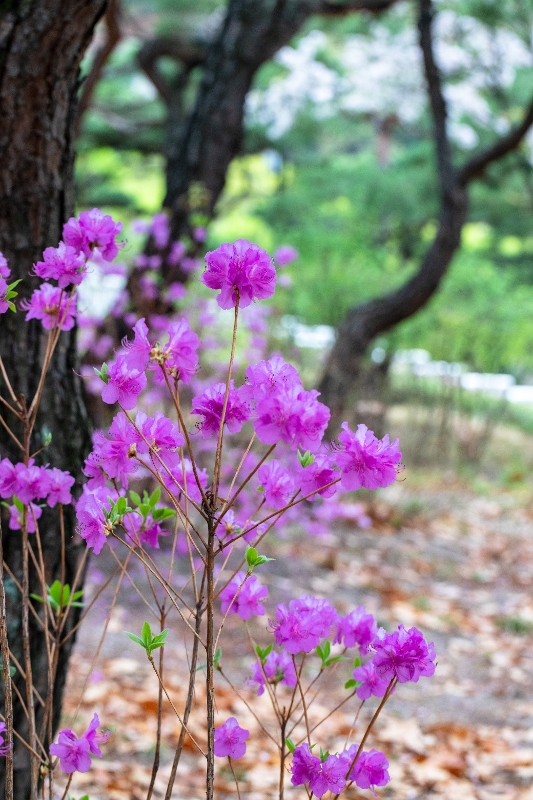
x: 317, y: 475
x: 9, y: 476
x: 404, y: 655
x: 32, y: 483
x: 15, y: 518
x: 4, y: 748
x: 181, y: 350
x: 94, y: 230
x: 370, y: 769
x: 163, y: 437
x: 209, y: 406
x: 230, y: 739
x: 63, y: 263
x: 357, y: 628
x: 247, y: 603
x: 60, y: 484
x: 5, y: 272
x: 124, y: 384
x: 371, y: 684
x: 149, y: 535
x: 112, y: 457
x: 91, y: 521
x: 137, y: 353
x: 304, y: 765
x: 294, y: 416
x: 278, y: 668
x: 4, y: 305
x: 240, y: 267
x: 51, y: 305
x: 285, y: 255
x: 73, y: 751
x: 278, y: 484
x: 268, y: 378
x: 365, y: 460
x: 301, y: 626
x: 331, y: 776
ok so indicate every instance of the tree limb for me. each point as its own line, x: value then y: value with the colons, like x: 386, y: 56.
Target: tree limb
x: 366, y: 321
x: 339, y: 9
x: 113, y: 35
x: 436, y: 97
x: 476, y: 166
x: 187, y: 54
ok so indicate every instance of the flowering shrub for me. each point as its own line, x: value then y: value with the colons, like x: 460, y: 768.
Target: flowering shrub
x: 202, y: 472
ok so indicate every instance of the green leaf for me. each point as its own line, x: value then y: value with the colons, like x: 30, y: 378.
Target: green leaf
x: 135, y: 498
x: 291, y: 747
x: 218, y: 656
x: 263, y: 652
x: 134, y: 638
x: 161, y: 514
x: 102, y: 373
x: 18, y: 504
x: 350, y: 684
x: 155, y: 497
x: 37, y: 597
x: 324, y: 755
x: 251, y: 555
x: 146, y: 633
x: 306, y: 459
x: 333, y: 660
x: 55, y: 592
x: 357, y: 661
x: 260, y: 489
x: 121, y: 506
x: 47, y: 439
x: 262, y: 560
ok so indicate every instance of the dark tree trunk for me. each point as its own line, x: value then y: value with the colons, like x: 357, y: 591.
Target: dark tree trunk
x: 41, y: 46
x: 341, y: 380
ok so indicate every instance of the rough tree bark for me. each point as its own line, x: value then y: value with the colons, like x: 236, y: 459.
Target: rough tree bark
x: 368, y: 320
x: 41, y: 46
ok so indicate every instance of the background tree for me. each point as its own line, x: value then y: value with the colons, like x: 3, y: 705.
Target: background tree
x: 42, y: 44
x: 382, y: 209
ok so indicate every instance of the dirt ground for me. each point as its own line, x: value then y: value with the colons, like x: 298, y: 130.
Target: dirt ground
x: 454, y: 562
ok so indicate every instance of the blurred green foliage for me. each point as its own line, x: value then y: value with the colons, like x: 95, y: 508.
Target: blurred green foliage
x: 361, y: 220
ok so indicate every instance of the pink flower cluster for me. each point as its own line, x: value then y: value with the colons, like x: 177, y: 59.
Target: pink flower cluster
x: 331, y: 774
x: 274, y: 399
x: 125, y: 378
x: 245, y: 602
x: 52, y: 306
x: 240, y: 269
x: 277, y: 668
x: 28, y: 482
x: 92, y: 235
x: 73, y: 751
x: 301, y: 626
